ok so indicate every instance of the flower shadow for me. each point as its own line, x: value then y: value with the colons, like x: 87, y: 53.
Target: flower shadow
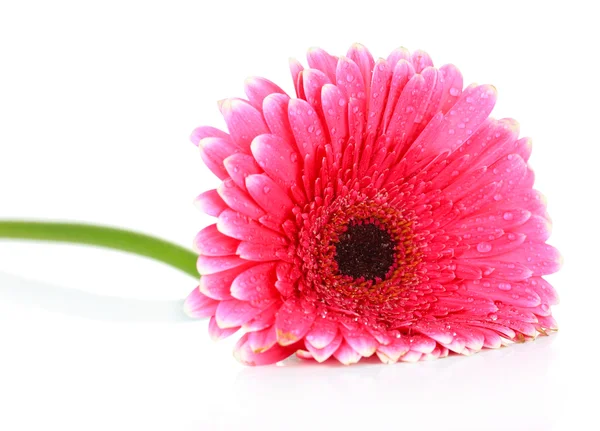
x: 77, y: 303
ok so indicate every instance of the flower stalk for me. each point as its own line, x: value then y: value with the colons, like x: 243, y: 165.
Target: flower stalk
x: 103, y: 236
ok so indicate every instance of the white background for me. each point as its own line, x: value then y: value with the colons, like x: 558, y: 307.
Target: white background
x: 97, y: 100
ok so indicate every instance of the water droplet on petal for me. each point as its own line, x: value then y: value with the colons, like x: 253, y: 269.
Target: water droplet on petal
x: 504, y: 286
x: 266, y: 189
x: 484, y: 247
x: 508, y: 216
x: 454, y: 91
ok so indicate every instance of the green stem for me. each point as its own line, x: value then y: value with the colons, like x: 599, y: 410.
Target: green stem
x: 118, y: 239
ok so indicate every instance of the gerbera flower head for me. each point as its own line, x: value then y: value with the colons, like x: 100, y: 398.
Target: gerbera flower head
x: 380, y: 211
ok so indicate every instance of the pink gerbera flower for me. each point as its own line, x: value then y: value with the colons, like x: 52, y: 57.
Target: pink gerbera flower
x: 381, y: 211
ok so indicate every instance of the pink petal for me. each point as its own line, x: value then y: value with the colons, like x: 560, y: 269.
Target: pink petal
x: 260, y: 252
x: 346, y: 354
x: 243, y: 121
x: 263, y: 319
x: 421, y: 344
x: 504, y: 244
x: 380, y: 84
x: 238, y: 200
x: 541, y: 259
x: 357, y: 119
x: 275, y: 108
x: 213, y: 264
x: 314, y: 80
x: 335, y: 111
x: 392, y: 352
x: 306, y: 126
x: 296, y: 70
x: 512, y: 271
x: 236, y: 225
x: 361, y: 341
x: 213, y: 151
x: 303, y: 354
x: 258, y: 88
x: 401, y: 74
x: 262, y: 340
x: 218, y: 285
x: 243, y: 353
x: 211, y: 203
x: 211, y: 242
x: 502, y: 219
x: 420, y: 60
x: 453, y: 84
x: 321, y: 60
x: 278, y: 158
x: 436, y: 330
x: 324, y: 353
x: 216, y: 333
x: 530, y: 200
x: 411, y: 356
x: 544, y: 290
x: 232, y: 313
x: 198, y: 305
x: 349, y: 79
x: 523, y: 148
x: 547, y: 322
x: 364, y: 60
x: 270, y: 196
x: 239, y: 166
x: 460, y: 122
x: 256, y: 282
x: 293, y: 321
x: 207, y: 132
x: 398, y: 54
x: 322, y: 333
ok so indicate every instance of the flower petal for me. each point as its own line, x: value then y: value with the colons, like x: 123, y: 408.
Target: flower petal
x: 460, y: 122
x: 213, y: 151
x: 335, y: 111
x: 217, y: 333
x: 238, y: 226
x: 256, y: 282
x: 210, y: 203
x: 260, y: 341
x: 207, y: 132
x: 261, y: 252
x: 232, y: 313
x: 361, y: 341
x: 364, y: 60
x: 238, y: 200
x: 239, y: 166
x: 257, y: 88
x: 213, y: 264
x: 453, y: 84
x: 322, y: 333
x: 263, y: 319
x: 319, y: 59
x: 210, y: 242
x: 198, y: 305
x: 218, y: 285
x: 324, y: 353
x: 420, y: 60
x: 244, y: 122
x: 244, y: 354
x: 293, y: 321
x: 278, y: 158
x: 346, y: 354
x: 391, y: 353
x: 270, y: 196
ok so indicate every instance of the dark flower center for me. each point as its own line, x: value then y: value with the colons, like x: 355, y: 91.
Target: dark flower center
x: 365, y: 250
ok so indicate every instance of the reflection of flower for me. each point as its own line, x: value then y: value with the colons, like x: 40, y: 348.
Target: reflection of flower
x: 379, y: 212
